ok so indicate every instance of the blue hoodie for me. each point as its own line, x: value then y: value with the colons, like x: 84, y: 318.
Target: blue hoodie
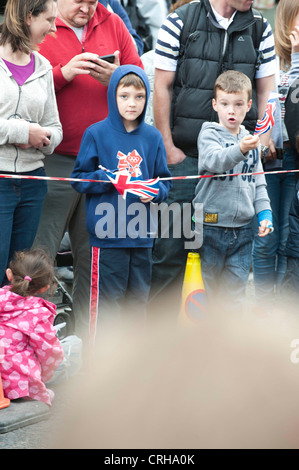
x: 111, y: 221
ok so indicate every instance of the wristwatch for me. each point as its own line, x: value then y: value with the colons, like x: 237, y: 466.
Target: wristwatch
x: 264, y: 150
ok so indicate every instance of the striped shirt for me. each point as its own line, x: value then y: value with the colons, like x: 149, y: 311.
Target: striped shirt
x: 168, y: 44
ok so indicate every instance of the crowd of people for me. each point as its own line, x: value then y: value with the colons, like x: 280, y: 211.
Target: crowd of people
x: 186, y: 107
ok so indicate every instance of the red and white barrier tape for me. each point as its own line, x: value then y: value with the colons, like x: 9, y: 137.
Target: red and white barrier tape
x: 57, y: 178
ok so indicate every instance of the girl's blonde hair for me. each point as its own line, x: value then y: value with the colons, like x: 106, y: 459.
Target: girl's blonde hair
x: 32, y: 270
x: 14, y: 29
x: 286, y: 12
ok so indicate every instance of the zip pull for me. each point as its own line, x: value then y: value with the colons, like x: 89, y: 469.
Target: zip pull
x: 194, y: 36
x: 84, y: 37
x: 225, y: 44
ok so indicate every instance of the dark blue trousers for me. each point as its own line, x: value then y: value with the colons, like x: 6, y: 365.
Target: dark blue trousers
x: 120, y: 283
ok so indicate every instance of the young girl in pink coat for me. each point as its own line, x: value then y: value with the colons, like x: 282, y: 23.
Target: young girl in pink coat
x: 29, y: 349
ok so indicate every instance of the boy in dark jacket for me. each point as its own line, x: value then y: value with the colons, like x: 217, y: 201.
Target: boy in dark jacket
x: 121, y: 241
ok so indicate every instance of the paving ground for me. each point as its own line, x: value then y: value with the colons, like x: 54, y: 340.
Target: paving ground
x: 35, y: 436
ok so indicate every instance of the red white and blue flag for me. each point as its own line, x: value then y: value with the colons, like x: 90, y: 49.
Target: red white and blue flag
x: 268, y: 120
x: 127, y: 185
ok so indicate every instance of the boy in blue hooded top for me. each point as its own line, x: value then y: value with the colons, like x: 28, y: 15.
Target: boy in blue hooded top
x: 121, y: 241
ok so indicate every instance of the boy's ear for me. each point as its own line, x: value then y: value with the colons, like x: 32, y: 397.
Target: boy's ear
x: 249, y: 105
x: 214, y: 104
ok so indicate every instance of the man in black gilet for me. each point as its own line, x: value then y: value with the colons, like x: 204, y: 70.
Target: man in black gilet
x: 196, y: 43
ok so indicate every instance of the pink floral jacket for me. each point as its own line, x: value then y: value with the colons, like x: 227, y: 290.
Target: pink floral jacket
x: 29, y: 349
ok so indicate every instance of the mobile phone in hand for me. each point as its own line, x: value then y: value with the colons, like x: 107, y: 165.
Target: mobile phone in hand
x: 108, y: 58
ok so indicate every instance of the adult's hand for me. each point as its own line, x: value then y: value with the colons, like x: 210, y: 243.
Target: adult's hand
x: 101, y: 70
x: 38, y: 136
x: 79, y: 65
x: 174, y: 155
x: 271, y: 155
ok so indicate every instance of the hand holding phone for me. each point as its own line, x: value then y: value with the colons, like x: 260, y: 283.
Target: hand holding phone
x: 81, y: 65
x: 108, y: 58
x: 102, y: 73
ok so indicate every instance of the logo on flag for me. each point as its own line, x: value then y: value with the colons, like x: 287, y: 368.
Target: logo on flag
x: 130, y: 162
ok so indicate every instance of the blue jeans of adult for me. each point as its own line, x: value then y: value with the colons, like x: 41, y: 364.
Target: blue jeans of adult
x: 225, y: 262
x: 21, y: 203
x: 269, y: 263
x: 290, y: 283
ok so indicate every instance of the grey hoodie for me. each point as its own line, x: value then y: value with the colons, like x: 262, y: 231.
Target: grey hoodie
x: 229, y: 201
x: 33, y: 101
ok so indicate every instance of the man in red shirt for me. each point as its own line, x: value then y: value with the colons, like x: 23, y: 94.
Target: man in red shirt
x: 85, y: 30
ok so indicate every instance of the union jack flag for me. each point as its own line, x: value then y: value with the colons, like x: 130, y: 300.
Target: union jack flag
x: 128, y: 185
x: 268, y: 120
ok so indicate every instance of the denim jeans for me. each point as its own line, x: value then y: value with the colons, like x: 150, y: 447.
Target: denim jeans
x: 225, y: 261
x: 21, y: 203
x: 290, y: 283
x: 269, y: 263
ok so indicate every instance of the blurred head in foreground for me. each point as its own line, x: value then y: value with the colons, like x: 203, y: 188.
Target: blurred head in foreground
x: 227, y: 382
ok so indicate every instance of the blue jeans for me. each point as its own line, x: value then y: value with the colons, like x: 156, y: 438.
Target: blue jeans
x: 21, y: 203
x: 290, y: 283
x: 225, y: 261
x: 269, y: 263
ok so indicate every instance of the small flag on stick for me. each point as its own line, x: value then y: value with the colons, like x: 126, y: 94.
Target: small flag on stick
x: 132, y: 186
x: 268, y: 120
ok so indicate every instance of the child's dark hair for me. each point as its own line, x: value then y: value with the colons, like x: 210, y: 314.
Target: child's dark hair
x: 32, y: 270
